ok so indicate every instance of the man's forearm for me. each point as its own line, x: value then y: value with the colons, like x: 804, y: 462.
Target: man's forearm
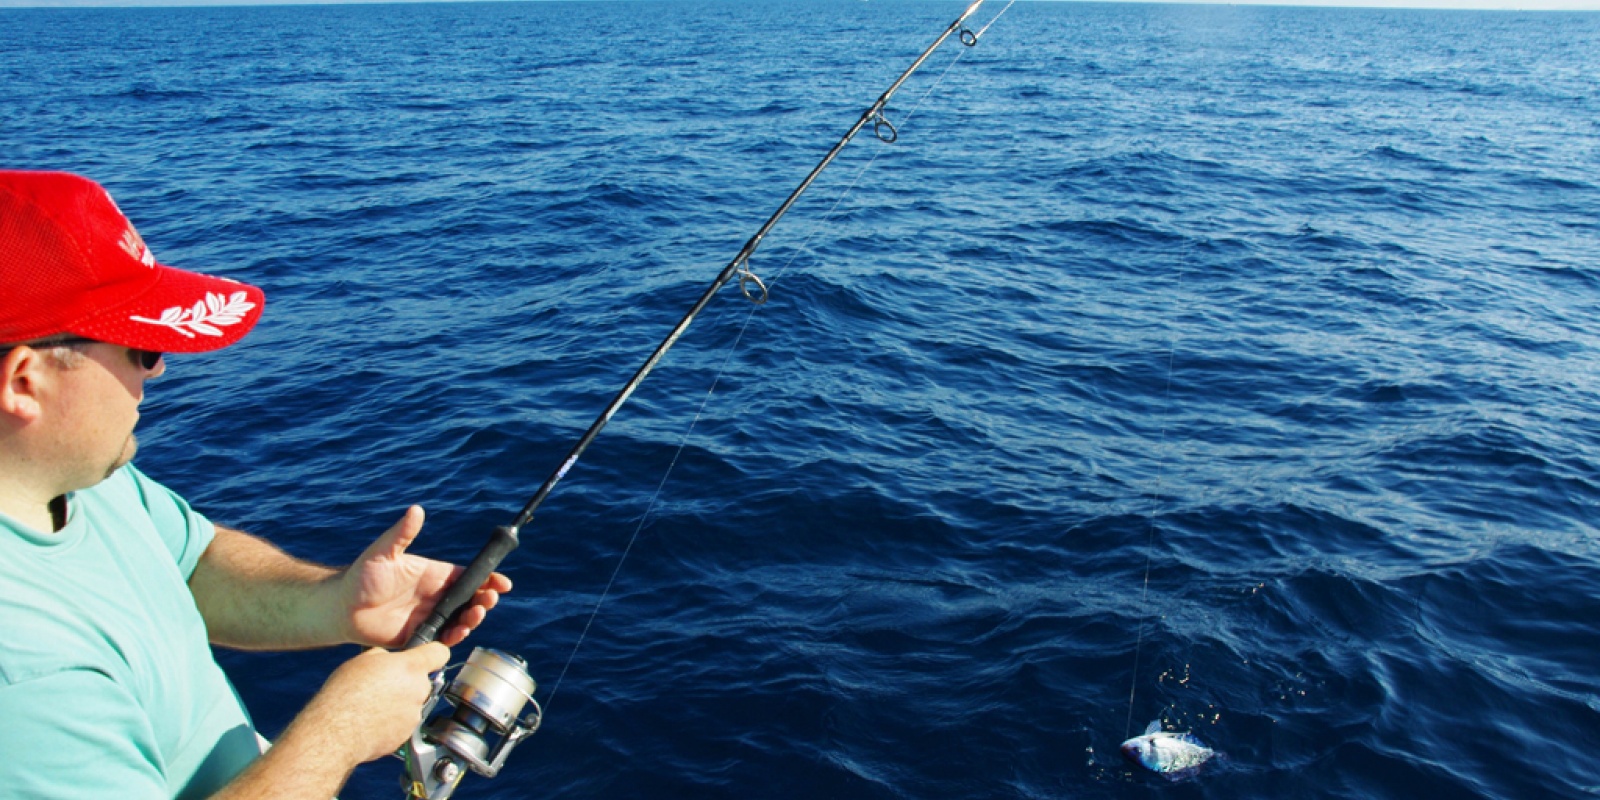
x: 366, y: 709
x: 294, y: 769
x: 254, y: 596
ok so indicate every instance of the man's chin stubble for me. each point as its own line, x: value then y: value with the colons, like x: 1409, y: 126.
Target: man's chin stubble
x: 128, y: 451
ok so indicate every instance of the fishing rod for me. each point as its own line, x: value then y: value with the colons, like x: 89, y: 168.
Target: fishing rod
x: 492, y: 687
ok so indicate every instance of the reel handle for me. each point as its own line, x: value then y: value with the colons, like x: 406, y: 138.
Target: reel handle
x: 500, y: 544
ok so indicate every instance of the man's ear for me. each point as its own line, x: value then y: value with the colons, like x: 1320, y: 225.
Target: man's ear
x: 22, y: 375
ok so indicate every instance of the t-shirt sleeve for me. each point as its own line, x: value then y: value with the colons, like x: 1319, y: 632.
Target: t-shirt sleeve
x: 76, y: 734
x: 186, y: 532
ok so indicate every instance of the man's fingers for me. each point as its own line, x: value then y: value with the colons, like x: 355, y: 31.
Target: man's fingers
x: 471, y: 618
x: 403, y: 532
x: 498, y: 583
x: 431, y: 656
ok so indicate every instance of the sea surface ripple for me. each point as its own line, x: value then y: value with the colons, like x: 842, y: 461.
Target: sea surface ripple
x: 1238, y: 366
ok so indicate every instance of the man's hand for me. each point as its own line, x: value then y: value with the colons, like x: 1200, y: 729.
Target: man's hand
x: 387, y: 592
x: 254, y: 596
x: 373, y: 702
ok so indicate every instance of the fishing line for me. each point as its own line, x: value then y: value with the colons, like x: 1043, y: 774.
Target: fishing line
x: 649, y: 508
x: 1155, y: 503
x: 967, y: 38
x: 985, y: 28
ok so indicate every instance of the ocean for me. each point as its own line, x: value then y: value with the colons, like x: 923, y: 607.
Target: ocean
x: 1237, y: 367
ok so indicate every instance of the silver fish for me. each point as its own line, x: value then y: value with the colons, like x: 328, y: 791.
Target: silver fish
x: 1170, y: 753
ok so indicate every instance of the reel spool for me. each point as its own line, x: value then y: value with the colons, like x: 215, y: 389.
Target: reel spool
x: 486, y: 696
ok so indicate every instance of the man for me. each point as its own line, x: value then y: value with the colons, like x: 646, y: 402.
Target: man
x: 112, y: 588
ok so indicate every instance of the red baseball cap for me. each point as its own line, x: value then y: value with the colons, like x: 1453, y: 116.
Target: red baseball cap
x: 70, y: 262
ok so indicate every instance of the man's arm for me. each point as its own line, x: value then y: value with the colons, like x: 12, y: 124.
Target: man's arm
x: 368, y: 707
x: 78, y: 733
x: 254, y: 596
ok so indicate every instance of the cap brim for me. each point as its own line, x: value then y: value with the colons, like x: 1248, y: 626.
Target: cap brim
x: 177, y: 311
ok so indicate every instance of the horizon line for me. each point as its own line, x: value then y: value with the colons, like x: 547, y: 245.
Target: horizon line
x: 1397, y: 5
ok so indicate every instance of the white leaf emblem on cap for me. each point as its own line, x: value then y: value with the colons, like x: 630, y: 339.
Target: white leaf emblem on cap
x: 205, y: 316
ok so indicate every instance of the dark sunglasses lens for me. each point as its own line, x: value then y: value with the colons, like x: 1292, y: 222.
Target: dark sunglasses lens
x: 148, y: 358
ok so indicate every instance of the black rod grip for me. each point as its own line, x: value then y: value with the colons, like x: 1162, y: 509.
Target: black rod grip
x: 500, y: 544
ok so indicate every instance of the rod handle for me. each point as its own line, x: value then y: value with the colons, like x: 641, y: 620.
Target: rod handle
x: 500, y: 544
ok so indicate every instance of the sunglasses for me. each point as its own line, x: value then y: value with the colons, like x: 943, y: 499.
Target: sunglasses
x: 148, y: 359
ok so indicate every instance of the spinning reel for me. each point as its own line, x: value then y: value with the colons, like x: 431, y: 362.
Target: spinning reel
x: 486, y: 697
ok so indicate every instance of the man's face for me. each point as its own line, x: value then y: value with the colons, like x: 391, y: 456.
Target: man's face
x: 100, y: 406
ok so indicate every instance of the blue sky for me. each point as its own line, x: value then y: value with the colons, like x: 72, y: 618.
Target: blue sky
x: 1542, y: 5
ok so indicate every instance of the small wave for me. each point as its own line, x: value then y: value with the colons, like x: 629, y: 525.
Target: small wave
x: 155, y: 95
x: 1125, y: 231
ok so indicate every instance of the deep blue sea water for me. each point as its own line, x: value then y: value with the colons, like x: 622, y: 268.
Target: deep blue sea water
x: 1237, y: 366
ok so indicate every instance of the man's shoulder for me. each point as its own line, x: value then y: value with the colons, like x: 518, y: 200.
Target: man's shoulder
x: 127, y: 493
x: 136, y: 506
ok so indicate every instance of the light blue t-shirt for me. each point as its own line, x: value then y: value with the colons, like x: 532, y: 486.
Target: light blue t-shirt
x: 108, y: 687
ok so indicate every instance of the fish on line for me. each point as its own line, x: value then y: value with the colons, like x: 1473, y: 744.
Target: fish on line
x: 1172, y: 754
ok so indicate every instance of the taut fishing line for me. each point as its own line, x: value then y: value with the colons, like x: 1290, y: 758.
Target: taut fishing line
x: 1155, y: 505
x: 488, y: 694
x: 1149, y: 544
